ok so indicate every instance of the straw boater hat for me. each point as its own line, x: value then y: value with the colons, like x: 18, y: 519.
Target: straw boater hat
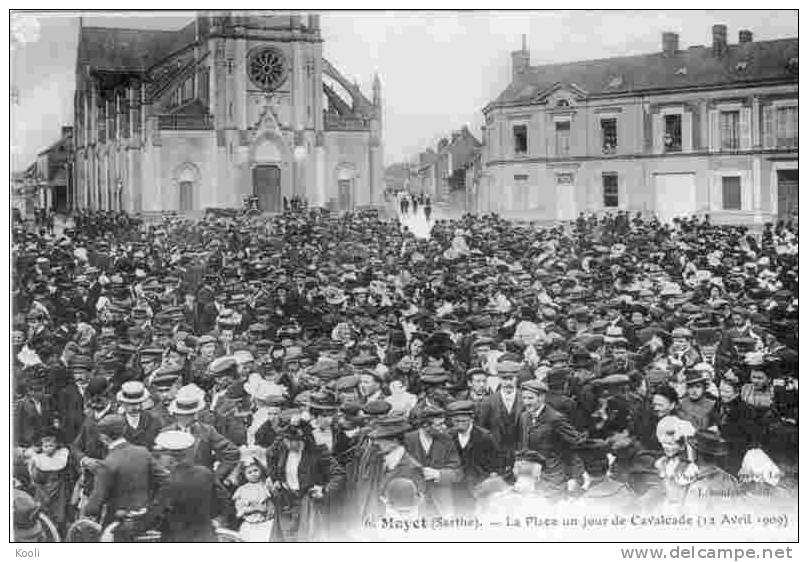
x: 173, y: 441
x: 190, y: 399
x: 132, y: 392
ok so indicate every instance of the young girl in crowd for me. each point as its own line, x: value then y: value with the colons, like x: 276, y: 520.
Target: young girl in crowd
x: 53, y: 475
x: 254, y: 507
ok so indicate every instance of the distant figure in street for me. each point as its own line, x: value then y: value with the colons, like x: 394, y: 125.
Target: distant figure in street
x: 427, y: 210
x: 285, y: 204
x: 405, y: 203
x: 414, y: 205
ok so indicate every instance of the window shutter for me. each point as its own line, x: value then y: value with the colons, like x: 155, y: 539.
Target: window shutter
x: 687, y: 131
x: 746, y: 133
x: 715, y: 136
x: 768, y: 126
x: 656, y: 133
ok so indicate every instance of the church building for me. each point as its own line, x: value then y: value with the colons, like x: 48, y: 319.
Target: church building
x: 232, y: 105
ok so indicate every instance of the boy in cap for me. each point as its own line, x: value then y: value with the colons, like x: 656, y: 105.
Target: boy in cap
x: 480, y: 457
x: 547, y: 431
x: 431, y: 446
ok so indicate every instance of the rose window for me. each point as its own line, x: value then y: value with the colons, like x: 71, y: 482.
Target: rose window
x: 267, y: 69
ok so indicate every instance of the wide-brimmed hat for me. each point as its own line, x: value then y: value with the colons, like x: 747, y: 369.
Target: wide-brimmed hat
x: 190, y: 399
x: 132, y: 392
x: 174, y: 441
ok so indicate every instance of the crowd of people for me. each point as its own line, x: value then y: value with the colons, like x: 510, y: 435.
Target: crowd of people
x: 295, y: 377
x: 409, y: 202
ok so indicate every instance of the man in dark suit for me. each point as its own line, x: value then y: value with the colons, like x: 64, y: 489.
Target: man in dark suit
x: 142, y: 426
x: 191, y: 497
x: 128, y: 477
x: 431, y: 446
x: 479, y: 455
x: 32, y: 412
x: 500, y: 412
x: 548, y: 432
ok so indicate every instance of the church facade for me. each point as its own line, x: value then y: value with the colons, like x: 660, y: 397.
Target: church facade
x: 230, y: 106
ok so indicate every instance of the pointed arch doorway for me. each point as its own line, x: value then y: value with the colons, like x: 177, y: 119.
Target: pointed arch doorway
x: 267, y: 175
x: 266, y: 180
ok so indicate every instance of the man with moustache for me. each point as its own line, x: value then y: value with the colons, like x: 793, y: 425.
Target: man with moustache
x: 500, y: 412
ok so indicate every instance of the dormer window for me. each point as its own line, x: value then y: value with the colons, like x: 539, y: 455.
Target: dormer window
x: 681, y: 71
x: 742, y: 66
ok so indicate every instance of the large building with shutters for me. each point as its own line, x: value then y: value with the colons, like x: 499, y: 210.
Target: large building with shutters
x: 707, y: 129
x: 230, y: 106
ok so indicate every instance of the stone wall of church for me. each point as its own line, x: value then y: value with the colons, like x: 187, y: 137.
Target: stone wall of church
x: 184, y: 156
x: 348, y: 157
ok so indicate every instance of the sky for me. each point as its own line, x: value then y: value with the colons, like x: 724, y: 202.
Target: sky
x: 438, y: 69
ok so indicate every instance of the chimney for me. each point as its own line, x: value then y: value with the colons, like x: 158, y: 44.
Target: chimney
x: 314, y: 21
x: 520, y: 60
x: 719, y: 40
x: 744, y: 36
x: 670, y: 43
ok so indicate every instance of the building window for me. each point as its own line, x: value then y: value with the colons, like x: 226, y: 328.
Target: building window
x: 731, y: 188
x: 520, y: 177
x: 520, y: 139
x: 610, y: 195
x: 204, y: 85
x: 102, y: 124
x: 565, y: 178
x: 608, y: 128
x: 136, y: 121
x: 124, y: 116
x: 787, y: 127
x: 730, y: 130
x: 673, y: 133
x: 187, y: 92
x: 562, y: 134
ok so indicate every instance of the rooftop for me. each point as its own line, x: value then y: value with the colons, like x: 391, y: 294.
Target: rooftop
x: 742, y: 63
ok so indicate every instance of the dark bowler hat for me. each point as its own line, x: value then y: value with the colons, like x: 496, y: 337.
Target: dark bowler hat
x: 377, y: 408
x: 97, y: 386
x: 389, y: 427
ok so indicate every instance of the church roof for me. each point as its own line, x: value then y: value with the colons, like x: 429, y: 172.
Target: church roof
x: 121, y: 49
x: 693, y: 67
